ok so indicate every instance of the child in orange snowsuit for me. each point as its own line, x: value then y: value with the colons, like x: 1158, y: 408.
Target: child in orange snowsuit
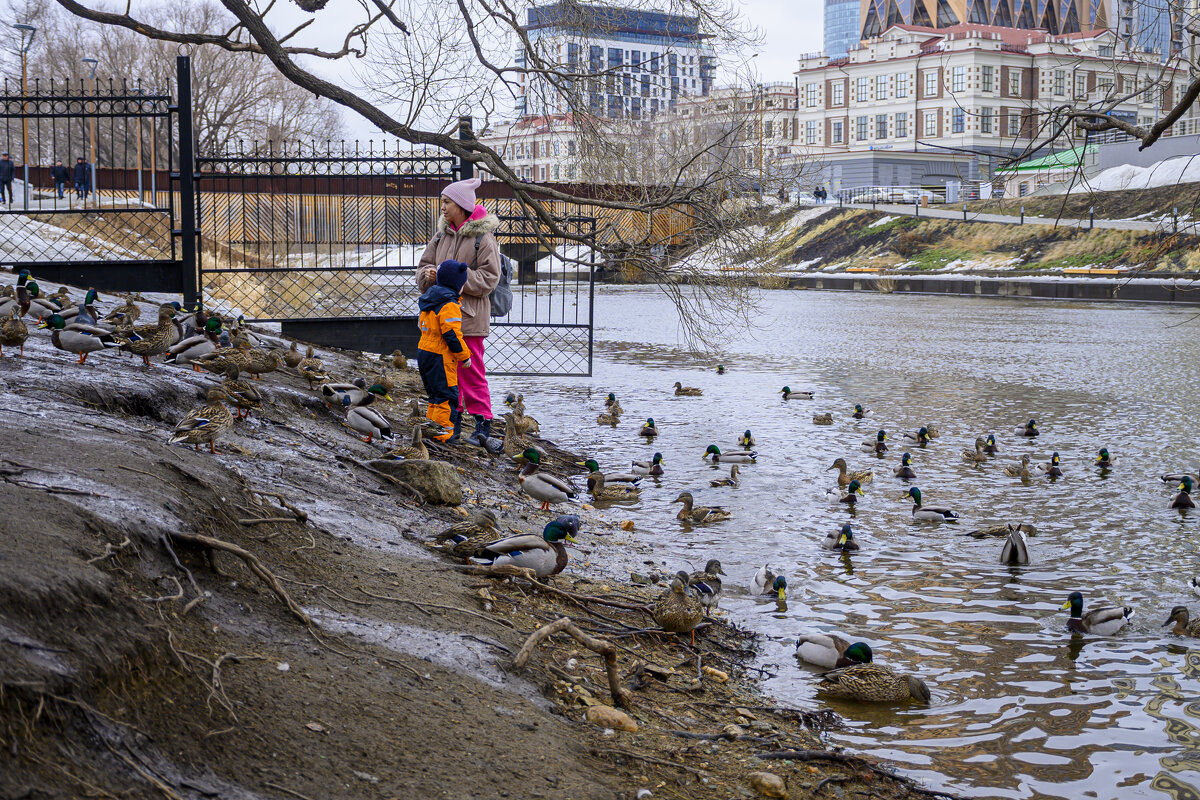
x: 442, y: 347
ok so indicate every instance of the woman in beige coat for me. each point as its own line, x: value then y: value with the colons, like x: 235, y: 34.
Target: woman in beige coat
x: 466, y: 232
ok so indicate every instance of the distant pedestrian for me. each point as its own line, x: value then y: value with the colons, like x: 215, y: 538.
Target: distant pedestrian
x: 442, y: 348
x: 83, y: 178
x: 7, y: 171
x: 816, y: 194
x: 824, y: 194
x: 60, y: 176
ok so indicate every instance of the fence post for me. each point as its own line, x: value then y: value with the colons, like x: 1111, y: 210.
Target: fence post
x: 964, y: 212
x: 466, y: 169
x: 1091, y: 218
x: 187, y: 179
x: 1175, y: 218
x: 1022, y: 215
x: 916, y: 209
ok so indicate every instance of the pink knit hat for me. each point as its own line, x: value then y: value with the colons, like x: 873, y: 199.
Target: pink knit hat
x: 462, y: 193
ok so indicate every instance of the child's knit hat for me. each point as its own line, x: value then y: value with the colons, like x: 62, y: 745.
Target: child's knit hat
x: 452, y: 274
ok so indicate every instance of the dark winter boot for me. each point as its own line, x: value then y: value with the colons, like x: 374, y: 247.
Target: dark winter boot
x: 480, y: 435
x: 456, y: 418
x: 490, y: 444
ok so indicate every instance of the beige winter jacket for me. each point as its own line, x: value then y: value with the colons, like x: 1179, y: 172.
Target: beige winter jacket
x: 484, y: 272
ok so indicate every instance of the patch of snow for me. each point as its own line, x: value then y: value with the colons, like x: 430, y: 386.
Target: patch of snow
x: 882, y: 221
x: 1182, y: 169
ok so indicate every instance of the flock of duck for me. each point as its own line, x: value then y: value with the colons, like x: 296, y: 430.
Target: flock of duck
x: 852, y: 672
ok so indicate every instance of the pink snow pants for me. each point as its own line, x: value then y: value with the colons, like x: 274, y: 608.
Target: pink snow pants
x: 472, y: 381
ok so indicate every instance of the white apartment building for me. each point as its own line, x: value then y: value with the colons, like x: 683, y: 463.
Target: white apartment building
x: 921, y: 106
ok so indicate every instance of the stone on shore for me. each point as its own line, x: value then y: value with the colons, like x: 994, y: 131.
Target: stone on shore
x: 437, y: 481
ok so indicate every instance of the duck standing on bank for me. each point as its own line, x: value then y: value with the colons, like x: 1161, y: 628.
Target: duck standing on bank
x: 544, y: 488
x: 545, y: 555
x: 13, y: 333
x: 78, y: 339
x: 706, y: 585
x: 675, y: 610
x: 206, y: 423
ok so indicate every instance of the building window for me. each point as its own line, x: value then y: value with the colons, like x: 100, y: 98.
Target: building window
x: 881, y: 126
x: 571, y: 173
x: 1106, y: 51
x: 860, y: 128
x: 958, y: 120
x: 556, y: 172
x: 901, y: 84
x: 1060, y: 82
x: 929, y: 124
x: 985, y: 119
x: 768, y: 129
x: 931, y: 82
x: 987, y: 77
x: 1105, y: 86
x: 861, y: 90
x: 1022, y: 189
x: 810, y: 132
x: 1081, y: 85
x: 839, y: 93
x: 881, y: 87
x: 570, y: 147
x: 1014, y: 83
x: 902, y: 125
x: 615, y: 57
x: 810, y: 95
x: 958, y: 79
x: 1014, y: 125
x: 836, y: 132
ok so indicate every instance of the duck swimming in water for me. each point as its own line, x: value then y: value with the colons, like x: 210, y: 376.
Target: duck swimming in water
x: 767, y: 582
x: 877, y: 447
x: 1103, y: 621
x: 1030, y: 429
x: 846, y: 476
x: 1184, y: 498
x: 1104, y: 460
x: 927, y: 513
x: 905, y: 469
x: 1052, y: 469
x: 788, y: 394
x: 842, y: 540
x: 729, y: 458
x: 860, y: 412
x: 830, y: 651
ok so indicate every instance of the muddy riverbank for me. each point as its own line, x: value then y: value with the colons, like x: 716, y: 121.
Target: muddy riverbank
x: 313, y: 646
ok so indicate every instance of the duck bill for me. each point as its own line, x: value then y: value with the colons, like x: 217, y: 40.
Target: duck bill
x: 1065, y: 605
x: 1168, y: 622
x: 841, y: 542
x: 388, y: 397
x: 860, y: 493
x: 571, y: 539
x: 782, y: 595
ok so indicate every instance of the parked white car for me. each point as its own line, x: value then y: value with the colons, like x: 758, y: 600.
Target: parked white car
x: 915, y: 196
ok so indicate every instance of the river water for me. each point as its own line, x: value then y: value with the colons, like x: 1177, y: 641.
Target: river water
x: 1020, y: 708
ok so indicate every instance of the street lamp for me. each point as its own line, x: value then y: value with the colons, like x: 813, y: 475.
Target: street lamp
x: 27, y: 33
x: 93, y: 63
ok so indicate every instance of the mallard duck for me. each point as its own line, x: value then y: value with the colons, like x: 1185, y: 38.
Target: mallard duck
x: 13, y: 333
x: 686, y: 391
x: 732, y: 480
x: 79, y: 339
x: 593, y: 467
x: 1177, y: 477
x: 1184, y: 626
x: 1020, y: 469
x: 206, y: 423
x: 415, y: 450
x: 653, y: 467
x: 873, y: 683
x: 746, y: 440
x: 544, y: 554
x: 1014, y: 550
x: 398, y: 361
x: 357, y: 392
x: 514, y: 444
x: 675, y: 610
x: 823, y: 419
x: 608, y: 418
x: 831, y: 651
x: 612, y: 405
x: 905, y: 469
x: 292, y: 356
x: 367, y: 421
x: 1004, y: 530
x: 706, y: 585
x: 515, y: 402
x: 927, y: 513
x: 127, y: 312
x: 1184, y: 498
x: 920, y: 436
x: 526, y: 425
x: 978, y: 455
x: 860, y: 412
x: 185, y: 351
x: 989, y: 445
x: 846, y: 476
x: 720, y: 369
x: 841, y: 540
x: 414, y: 409
x: 84, y: 312
x: 600, y: 490
x: 260, y: 362
x: 157, y: 341
x: 767, y: 582
x: 729, y: 458
x: 310, y: 369
x: 1030, y: 429
x: 465, y: 538
x: 788, y: 394
x: 241, y: 393
x: 1104, y: 621
x: 221, y: 359
x: 1194, y: 583
x: 850, y: 498
x: 1104, y: 460
x: 877, y: 447
x: 698, y: 514
x: 542, y: 487
x: 648, y: 430
x: 33, y: 301
x: 1053, y: 468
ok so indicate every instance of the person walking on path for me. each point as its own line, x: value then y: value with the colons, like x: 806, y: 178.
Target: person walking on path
x: 441, y: 350
x: 60, y: 176
x: 466, y: 232
x: 83, y: 178
x: 7, y: 172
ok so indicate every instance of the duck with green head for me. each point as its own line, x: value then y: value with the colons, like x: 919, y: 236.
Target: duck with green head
x: 720, y: 369
x: 767, y: 582
x: 878, y: 447
x: 920, y: 436
x: 927, y: 513
x: 1053, y: 469
x: 860, y: 412
x: 545, y: 555
x: 544, y: 488
x: 648, y: 430
x: 989, y: 445
x: 193, y: 347
x: 842, y: 540
x: 593, y: 467
x: 1184, y: 498
x: 85, y: 312
x: 1103, y: 621
x: 905, y: 470
x: 788, y: 394
x: 1104, y: 460
x: 830, y: 651
x: 746, y: 440
x: 1029, y: 430
x: 653, y: 467
x: 79, y: 339
x: 612, y: 405
x: 853, y: 491
x: 729, y: 458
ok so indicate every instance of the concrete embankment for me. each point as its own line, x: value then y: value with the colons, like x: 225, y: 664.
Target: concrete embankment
x: 1136, y: 290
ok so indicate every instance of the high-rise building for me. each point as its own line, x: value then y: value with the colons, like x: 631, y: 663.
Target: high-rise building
x: 1054, y: 17
x: 841, y: 26
x: 638, y: 62
x: 1153, y: 25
